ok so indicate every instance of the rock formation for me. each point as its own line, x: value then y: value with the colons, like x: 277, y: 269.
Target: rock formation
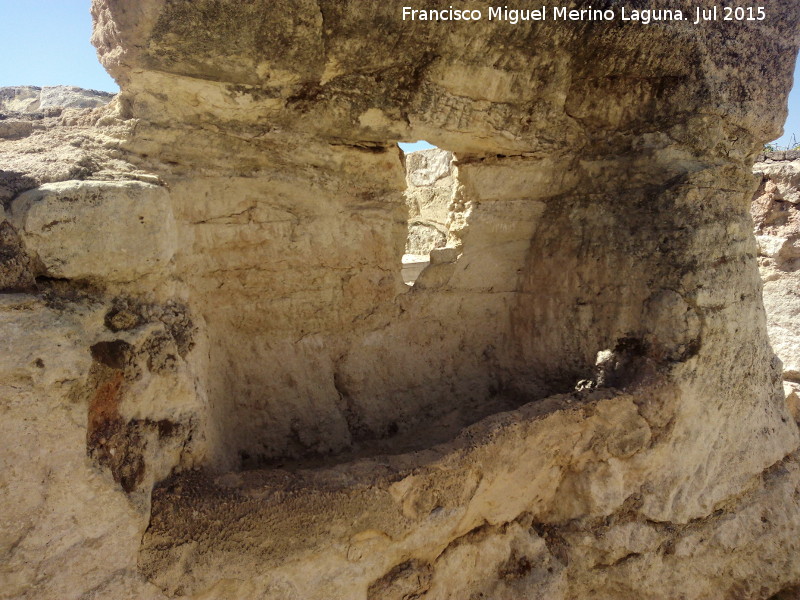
x: 777, y: 229
x: 31, y: 99
x: 431, y: 181
x: 216, y: 384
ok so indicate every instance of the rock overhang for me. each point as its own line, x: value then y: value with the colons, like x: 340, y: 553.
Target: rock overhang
x: 603, y: 243
x: 356, y: 71
x: 606, y: 146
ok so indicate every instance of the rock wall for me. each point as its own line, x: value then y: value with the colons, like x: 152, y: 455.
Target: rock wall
x: 777, y: 229
x: 31, y: 99
x: 23, y: 107
x: 99, y: 394
x: 226, y: 389
x: 431, y: 182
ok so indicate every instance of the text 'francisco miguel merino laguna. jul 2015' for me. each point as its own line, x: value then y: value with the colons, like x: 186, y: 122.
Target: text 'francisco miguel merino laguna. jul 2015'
x: 513, y: 16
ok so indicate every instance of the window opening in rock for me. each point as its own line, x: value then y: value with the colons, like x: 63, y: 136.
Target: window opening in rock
x: 430, y: 183
x: 409, y: 147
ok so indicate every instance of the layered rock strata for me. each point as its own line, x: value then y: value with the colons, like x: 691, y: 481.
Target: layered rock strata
x: 98, y: 388
x: 228, y: 391
x: 29, y: 99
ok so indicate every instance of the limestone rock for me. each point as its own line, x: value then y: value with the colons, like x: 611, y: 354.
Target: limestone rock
x: 20, y: 98
x: 782, y: 180
x: 29, y: 99
x: 431, y: 178
x: 13, y: 129
x: 777, y: 227
x: 17, y: 271
x: 74, y: 144
x: 792, y: 391
x: 426, y: 167
x: 126, y: 229
x: 424, y: 237
x: 64, y: 510
x: 578, y: 400
x: 69, y: 96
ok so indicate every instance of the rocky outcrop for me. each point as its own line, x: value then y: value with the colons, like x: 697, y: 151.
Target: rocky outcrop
x: 31, y: 99
x: 24, y: 109
x: 132, y: 223
x: 430, y: 180
x: 777, y: 228
x: 99, y: 400
x: 227, y: 391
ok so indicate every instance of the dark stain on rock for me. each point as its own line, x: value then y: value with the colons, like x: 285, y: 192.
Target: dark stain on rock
x: 110, y: 441
x: 114, y: 354
x: 516, y: 567
x: 160, y: 352
x: 16, y: 267
x: 128, y: 313
x: 166, y: 428
x: 114, y: 443
x: 12, y: 184
x: 556, y: 545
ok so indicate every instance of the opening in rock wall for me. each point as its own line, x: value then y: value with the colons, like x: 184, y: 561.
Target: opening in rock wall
x: 430, y: 181
x: 318, y: 357
x: 316, y: 352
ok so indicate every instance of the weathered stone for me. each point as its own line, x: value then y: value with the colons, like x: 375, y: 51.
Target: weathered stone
x: 126, y: 229
x: 777, y: 228
x: 782, y: 178
x: 30, y: 99
x: 431, y: 179
x: 16, y: 268
x: 584, y: 403
x: 427, y: 167
x: 13, y: 129
x: 424, y: 237
x: 64, y: 512
x: 443, y: 255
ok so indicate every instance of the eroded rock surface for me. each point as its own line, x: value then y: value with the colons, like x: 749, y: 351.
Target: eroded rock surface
x: 430, y: 180
x: 32, y: 99
x: 576, y: 399
x: 777, y: 228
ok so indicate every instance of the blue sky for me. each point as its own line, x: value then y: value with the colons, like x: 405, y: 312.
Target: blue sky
x: 792, y: 126
x: 46, y: 42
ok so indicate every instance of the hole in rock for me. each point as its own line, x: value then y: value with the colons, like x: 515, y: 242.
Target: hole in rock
x: 409, y: 147
x: 315, y: 353
x: 430, y: 185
